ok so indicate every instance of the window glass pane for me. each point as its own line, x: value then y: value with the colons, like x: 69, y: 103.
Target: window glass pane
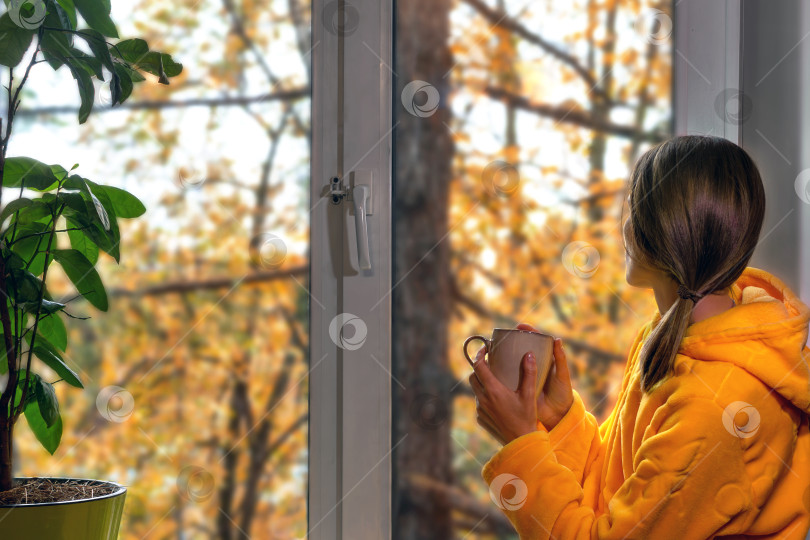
x: 195, y: 379
x: 517, y: 125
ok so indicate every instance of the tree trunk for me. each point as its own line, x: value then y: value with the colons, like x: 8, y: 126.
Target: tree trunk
x: 421, y: 298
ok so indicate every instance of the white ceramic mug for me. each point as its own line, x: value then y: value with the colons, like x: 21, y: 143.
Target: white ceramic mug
x: 506, y: 350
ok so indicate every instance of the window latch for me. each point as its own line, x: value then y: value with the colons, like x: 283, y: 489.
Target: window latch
x: 360, y: 193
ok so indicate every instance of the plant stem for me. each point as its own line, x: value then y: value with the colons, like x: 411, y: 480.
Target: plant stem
x: 39, y: 309
x: 7, y: 416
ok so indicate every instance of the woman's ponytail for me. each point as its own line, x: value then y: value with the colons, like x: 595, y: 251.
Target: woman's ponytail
x: 659, y: 349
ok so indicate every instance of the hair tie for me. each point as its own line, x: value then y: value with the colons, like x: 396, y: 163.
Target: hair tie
x: 686, y: 294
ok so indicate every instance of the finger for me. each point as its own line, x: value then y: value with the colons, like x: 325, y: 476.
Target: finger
x: 552, y: 374
x: 485, y: 421
x: 561, y: 362
x: 526, y: 326
x: 528, y: 376
x: 477, y: 387
x: 482, y: 371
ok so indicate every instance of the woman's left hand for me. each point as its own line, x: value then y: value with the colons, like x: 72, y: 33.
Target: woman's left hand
x: 506, y: 414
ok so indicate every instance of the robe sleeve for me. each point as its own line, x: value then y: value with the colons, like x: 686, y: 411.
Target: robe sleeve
x: 688, y: 481
x: 577, y: 438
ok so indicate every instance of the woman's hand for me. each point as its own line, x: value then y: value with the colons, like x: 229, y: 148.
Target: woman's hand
x: 557, y: 395
x: 506, y: 414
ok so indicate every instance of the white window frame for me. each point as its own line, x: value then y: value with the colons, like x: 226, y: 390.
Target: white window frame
x: 350, y: 448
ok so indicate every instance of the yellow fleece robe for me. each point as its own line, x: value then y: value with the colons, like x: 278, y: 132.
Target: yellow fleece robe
x: 720, y: 448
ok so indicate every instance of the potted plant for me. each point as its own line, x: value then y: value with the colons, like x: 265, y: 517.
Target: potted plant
x: 58, y: 217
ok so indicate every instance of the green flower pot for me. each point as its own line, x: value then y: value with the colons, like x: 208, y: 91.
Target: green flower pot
x: 87, y: 519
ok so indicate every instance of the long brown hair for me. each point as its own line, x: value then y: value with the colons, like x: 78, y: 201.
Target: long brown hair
x: 696, y: 210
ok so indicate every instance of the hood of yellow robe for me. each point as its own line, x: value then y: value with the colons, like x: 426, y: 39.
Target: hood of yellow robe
x: 764, y: 333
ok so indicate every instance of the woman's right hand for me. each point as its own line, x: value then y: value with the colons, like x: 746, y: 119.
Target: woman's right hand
x: 557, y: 395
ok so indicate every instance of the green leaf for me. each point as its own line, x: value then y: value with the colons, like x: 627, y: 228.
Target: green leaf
x: 88, y: 63
x: 74, y: 204
x: 83, y: 275
x: 13, y: 206
x: 49, y: 437
x: 46, y: 399
x: 46, y: 352
x: 124, y: 83
x: 26, y: 286
x: 3, y: 356
x: 38, y: 210
x: 98, y: 221
x: 52, y: 328
x: 14, y: 41
x: 131, y: 50
x: 124, y: 203
x: 98, y: 45
x: 28, y: 241
x: 59, y: 172
x: 93, y: 232
x: 65, y: 21
x: 28, y: 172
x: 136, y: 51
x: 106, y: 211
x: 96, y: 14
x: 134, y: 74
x: 56, y: 44
x: 86, y: 91
x: 70, y: 11
x: 80, y: 242
x: 77, y: 182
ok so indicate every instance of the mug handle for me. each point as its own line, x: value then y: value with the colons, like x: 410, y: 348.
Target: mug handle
x: 487, y: 344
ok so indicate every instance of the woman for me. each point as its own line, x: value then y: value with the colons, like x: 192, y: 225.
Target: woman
x: 709, y: 436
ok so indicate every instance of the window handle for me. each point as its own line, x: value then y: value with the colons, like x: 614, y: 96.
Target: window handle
x: 362, y: 200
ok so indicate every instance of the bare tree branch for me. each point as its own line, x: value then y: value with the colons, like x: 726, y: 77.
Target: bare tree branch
x: 573, y: 116
x: 503, y: 20
x: 185, y: 286
x: 224, y: 101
